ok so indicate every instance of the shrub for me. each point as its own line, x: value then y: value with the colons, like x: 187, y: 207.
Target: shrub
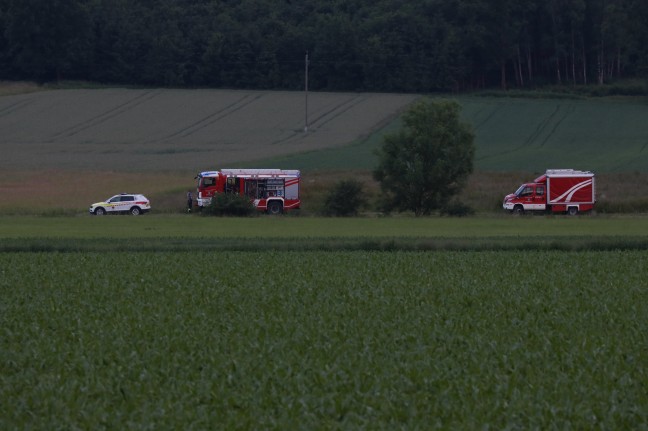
x: 457, y: 209
x: 226, y: 204
x: 345, y: 199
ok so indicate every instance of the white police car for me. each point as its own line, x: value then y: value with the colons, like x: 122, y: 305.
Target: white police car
x: 125, y: 203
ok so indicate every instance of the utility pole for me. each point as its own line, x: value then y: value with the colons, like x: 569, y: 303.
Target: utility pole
x: 306, y: 93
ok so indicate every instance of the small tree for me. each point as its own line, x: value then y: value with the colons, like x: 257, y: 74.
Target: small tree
x: 423, y: 165
x: 345, y: 199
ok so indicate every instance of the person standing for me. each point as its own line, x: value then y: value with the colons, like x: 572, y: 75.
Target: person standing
x: 189, y: 201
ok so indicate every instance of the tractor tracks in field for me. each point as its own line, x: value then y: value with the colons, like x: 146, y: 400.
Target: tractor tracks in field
x: 546, y: 127
x: 214, y: 117
x: 490, y: 115
x: 10, y: 109
x: 107, y: 115
x: 337, y: 111
x: 325, y: 118
x: 546, y: 123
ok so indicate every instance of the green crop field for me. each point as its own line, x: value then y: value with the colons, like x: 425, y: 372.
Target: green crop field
x: 324, y: 340
x: 599, y: 135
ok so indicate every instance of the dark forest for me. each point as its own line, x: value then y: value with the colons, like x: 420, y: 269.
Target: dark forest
x: 352, y: 45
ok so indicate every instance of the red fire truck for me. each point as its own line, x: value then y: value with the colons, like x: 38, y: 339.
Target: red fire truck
x: 272, y: 190
x: 558, y: 190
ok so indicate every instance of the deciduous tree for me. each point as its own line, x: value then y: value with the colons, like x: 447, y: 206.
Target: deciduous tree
x: 427, y: 162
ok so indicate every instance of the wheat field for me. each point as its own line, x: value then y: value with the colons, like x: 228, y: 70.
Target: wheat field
x: 162, y: 129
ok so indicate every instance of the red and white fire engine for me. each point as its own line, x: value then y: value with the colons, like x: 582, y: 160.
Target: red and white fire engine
x: 272, y: 190
x: 558, y: 190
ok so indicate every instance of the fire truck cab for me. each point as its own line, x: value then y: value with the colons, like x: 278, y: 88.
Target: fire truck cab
x: 271, y: 190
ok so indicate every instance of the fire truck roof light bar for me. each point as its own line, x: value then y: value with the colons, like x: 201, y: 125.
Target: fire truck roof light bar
x: 253, y: 173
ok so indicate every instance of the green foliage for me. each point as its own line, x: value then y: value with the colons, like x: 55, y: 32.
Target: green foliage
x: 346, y: 198
x: 426, y: 163
x: 355, y: 45
x: 229, y: 204
x: 381, y: 340
x: 46, y: 40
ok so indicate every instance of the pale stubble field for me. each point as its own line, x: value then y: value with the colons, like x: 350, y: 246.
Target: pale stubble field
x: 163, y: 129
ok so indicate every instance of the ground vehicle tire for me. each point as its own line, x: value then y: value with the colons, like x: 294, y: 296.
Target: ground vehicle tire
x: 275, y: 208
x: 572, y: 211
x: 135, y: 211
x: 100, y: 211
x: 518, y: 210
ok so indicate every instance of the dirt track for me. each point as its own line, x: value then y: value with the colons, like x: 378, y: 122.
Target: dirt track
x: 154, y: 129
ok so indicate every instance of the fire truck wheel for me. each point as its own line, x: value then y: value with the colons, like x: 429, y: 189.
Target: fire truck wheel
x: 100, y: 211
x: 518, y: 210
x: 572, y: 211
x: 275, y: 208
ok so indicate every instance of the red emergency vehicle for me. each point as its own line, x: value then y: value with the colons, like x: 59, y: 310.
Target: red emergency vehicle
x: 558, y: 190
x: 272, y: 190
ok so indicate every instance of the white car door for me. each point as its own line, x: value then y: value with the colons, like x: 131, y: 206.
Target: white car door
x: 114, y: 204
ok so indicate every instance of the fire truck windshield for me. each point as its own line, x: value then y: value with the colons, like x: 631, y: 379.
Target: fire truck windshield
x: 519, y: 191
x: 207, y: 181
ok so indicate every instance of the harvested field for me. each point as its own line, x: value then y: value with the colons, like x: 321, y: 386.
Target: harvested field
x: 158, y: 129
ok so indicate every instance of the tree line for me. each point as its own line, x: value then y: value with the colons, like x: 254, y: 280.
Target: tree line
x: 352, y: 45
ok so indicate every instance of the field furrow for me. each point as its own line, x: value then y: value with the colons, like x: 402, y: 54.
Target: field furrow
x: 111, y: 113
x: 214, y: 117
x: 12, y: 107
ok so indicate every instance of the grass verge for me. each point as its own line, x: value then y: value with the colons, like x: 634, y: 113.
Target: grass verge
x: 271, y: 229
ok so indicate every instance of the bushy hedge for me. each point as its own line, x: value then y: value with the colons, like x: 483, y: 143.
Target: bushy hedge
x: 346, y: 198
x: 229, y: 205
